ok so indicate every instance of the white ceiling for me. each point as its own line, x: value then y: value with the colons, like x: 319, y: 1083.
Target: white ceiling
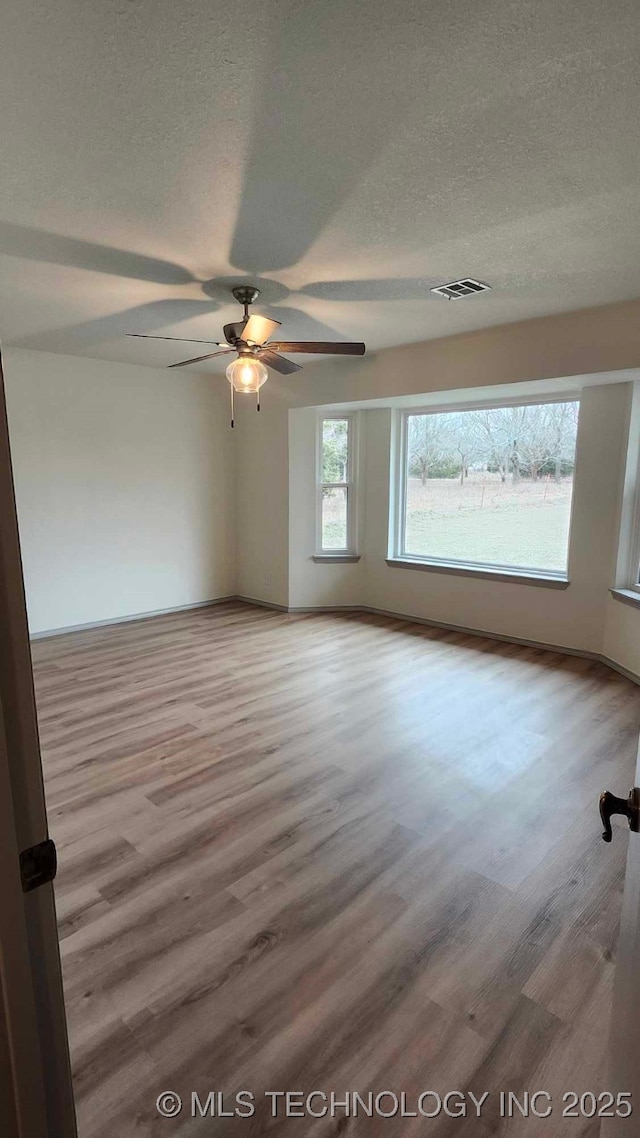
x: 344, y: 155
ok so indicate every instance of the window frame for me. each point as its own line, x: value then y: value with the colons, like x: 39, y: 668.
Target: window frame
x: 398, y: 552
x: 350, y: 550
x: 632, y: 572
x: 626, y: 576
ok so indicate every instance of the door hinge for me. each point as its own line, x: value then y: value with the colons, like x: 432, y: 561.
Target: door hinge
x: 38, y: 865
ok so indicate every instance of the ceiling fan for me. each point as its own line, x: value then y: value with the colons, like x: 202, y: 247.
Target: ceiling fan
x: 249, y: 339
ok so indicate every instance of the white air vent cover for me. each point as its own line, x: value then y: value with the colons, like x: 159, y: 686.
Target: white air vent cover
x: 456, y: 289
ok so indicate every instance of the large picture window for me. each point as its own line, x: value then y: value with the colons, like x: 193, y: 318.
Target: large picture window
x: 489, y: 487
x: 336, y: 485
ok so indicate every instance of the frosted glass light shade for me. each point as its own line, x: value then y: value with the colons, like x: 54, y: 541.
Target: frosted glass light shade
x: 247, y: 374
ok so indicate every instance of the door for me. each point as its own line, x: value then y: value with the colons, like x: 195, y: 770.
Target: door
x: 36, y: 1098
x: 624, y: 1037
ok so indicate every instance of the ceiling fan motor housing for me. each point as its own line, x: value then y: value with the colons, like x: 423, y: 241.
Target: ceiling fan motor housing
x: 233, y: 332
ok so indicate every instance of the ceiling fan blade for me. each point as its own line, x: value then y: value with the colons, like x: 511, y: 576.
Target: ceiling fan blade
x: 182, y: 339
x: 321, y: 348
x: 199, y: 359
x: 278, y: 363
x: 259, y: 328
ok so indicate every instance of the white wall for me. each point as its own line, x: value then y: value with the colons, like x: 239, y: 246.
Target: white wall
x: 621, y: 641
x: 601, y: 340
x: 572, y: 617
x: 262, y: 498
x: 124, y: 485
x: 133, y: 492
x: 577, y: 343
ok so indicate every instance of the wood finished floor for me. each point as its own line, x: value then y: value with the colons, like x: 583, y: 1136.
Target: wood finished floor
x: 330, y: 852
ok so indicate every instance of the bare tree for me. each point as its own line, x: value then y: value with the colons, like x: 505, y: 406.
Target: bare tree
x: 519, y: 440
x: 494, y: 440
x: 562, y: 425
x: 534, y: 442
x: 428, y: 443
x: 500, y: 432
x: 464, y: 434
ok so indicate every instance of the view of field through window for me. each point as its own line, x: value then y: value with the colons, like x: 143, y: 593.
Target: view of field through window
x: 491, y: 486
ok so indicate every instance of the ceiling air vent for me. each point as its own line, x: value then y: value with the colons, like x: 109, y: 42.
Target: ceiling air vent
x: 456, y: 289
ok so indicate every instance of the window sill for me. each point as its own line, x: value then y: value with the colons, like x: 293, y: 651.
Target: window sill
x: 513, y: 576
x: 627, y: 596
x: 320, y: 558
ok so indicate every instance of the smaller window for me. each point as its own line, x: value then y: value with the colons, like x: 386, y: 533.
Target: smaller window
x: 336, y: 528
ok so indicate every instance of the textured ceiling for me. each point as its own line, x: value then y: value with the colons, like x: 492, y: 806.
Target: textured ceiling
x: 344, y: 155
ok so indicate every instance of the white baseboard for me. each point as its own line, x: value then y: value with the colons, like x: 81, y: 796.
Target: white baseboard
x: 626, y: 672
x: 583, y: 653
x: 125, y: 619
x: 260, y: 604
x: 486, y: 635
x: 328, y: 608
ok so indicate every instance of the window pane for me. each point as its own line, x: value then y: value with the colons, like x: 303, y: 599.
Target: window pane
x: 335, y: 450
x: 334, y: 517
x: 492, y: 486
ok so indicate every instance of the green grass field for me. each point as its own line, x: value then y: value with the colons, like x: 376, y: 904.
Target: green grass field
x: 524, y: 524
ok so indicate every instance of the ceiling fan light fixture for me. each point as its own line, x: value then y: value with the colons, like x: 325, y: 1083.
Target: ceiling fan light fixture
x: 251, y: 339
x: 247, y: 374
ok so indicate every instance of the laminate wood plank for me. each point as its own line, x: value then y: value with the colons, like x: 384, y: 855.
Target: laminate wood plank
x: 333, y: 852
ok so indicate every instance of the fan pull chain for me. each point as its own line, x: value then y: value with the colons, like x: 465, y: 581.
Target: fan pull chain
x: 231, y: 387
